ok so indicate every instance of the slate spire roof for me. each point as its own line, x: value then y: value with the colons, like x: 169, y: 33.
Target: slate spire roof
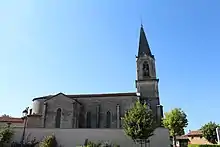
x: 144, y: 48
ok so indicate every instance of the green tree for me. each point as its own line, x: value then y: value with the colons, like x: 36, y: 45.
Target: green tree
x: 209, y: 131
x: 138, y: 122
x: 175, y: 121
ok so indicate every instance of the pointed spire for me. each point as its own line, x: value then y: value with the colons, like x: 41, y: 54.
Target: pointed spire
x: 144, y: 48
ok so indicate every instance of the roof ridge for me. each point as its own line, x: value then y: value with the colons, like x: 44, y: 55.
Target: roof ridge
x: 91, y: 95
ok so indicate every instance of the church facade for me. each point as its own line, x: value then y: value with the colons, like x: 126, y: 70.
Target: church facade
x: 100, y: 110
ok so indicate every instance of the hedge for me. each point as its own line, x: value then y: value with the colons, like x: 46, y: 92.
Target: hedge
x: 202, y: 145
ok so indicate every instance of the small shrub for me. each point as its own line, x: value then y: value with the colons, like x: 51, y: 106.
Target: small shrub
x: 108, y: 144
x: 49, y: 141
x: 99, y: 144
x: 202, y: 145
x: 92, y: 144
x: 31, y: 143
x: 5, y: 135
x: 15, y: 144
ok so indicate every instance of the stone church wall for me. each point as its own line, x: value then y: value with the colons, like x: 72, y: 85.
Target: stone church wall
x: 107, y: 104
x: 75, y: 137
x: 66, y: 106
x: 37, y: 106
x: 114, y: 106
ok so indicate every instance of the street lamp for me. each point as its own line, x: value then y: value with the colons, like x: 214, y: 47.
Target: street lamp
x: 25, y: 112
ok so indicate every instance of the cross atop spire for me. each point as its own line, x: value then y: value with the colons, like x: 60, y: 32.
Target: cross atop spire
x: 144, y: 48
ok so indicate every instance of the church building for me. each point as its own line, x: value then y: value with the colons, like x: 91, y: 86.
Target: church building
x: 100, y: 110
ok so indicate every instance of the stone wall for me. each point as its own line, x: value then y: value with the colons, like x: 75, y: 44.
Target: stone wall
x: 75, y: 137
x: 107, y: 104
x: 47, y: 118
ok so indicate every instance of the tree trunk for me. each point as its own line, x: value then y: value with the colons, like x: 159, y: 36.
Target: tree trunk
x: 174, y: 141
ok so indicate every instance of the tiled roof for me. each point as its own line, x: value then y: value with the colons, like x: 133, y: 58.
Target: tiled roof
x: 195, y: 133
x: 92, y: 95
x: 11, y: 119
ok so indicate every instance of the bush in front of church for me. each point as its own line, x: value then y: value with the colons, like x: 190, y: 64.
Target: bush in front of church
x: 99, y: 144
x: 138, y: 122
x: 6, y: 134
x: 49, y: 141
x: 203, y: 145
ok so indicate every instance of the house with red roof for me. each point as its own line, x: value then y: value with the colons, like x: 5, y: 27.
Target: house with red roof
x: 11, y: 121
x: 192, y: 137
x: 195, y: 137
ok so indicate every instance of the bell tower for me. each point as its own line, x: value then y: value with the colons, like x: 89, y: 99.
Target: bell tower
x: 147, y: 81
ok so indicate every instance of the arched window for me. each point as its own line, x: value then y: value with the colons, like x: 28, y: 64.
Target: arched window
x: 58, y: 118
x: 88, y: 120
x: 145, y: 69
x: 108, y: 120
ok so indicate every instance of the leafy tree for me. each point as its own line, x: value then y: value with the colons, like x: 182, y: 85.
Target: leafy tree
x: 209, y: 131
x: 175, y: 121
x: 138, y: 122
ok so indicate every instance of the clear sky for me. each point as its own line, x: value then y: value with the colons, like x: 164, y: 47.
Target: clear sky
x: 86, y: 46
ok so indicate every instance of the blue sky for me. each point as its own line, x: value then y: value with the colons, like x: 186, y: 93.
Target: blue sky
x: 85, y: 46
